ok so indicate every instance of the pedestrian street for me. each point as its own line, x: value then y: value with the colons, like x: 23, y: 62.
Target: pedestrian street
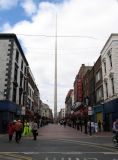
x: 57, y: 142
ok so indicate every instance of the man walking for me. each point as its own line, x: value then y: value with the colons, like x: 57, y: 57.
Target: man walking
x: 18, y: 130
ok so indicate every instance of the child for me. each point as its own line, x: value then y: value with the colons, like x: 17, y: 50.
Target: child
x: 10, y: 131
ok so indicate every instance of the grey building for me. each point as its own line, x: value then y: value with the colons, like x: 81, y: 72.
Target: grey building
x: 13, y: 78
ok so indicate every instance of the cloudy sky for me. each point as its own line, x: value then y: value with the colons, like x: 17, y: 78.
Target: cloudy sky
x: 83, y: 27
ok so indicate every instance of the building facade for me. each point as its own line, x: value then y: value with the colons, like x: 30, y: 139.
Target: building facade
x: 109, y: 58
x: 98, y: 107
x: 69, y: 102
x: 14, y: 80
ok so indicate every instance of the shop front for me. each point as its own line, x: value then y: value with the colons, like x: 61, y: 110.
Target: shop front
x: 98, y: 113
x: 8, y: 112
x: 110, y: 113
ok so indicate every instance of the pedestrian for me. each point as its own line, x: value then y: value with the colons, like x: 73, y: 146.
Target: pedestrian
x: 18, y: 130
x: 35, y: 130
x: 115, y: 129
x: 99, y: 125
x: 11, y: 130
x: 27, y: 130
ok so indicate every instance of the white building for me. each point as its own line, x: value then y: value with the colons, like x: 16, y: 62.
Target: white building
x: 109, y: 57
x: 13, y: 70
x: 13, y: 79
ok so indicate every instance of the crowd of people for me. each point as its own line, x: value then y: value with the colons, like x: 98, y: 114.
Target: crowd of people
x: 89, y: 126
x: 19, y: 129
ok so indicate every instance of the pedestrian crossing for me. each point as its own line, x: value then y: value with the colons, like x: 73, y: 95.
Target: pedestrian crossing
x: 58, y: 156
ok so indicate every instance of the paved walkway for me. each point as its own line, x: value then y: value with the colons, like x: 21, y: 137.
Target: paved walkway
x: 53, y: 131
x: 58, y: 131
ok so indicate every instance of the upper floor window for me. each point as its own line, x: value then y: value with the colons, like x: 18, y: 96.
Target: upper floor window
x: 25, y: 70
x: 99, y: 94
x: 17, y: 55
x: 112, y: 85
x: 105, y: 67
x: 14, y: 94
x: 21, y: 65
x: 15, y: 73
x: 21, y: 79
x: 106, y: 87
x: 98, y: 76
x: 110, y: 59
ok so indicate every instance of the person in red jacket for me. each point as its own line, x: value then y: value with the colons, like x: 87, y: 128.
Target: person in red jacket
x: 11, y: 131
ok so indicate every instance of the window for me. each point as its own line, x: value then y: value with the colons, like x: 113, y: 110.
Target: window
x: 112, y: 85
x: 17, y: 55
x: 99, y: 94
x: 20, y: 94
x: 21, y: 79
x: 15, y: 73
x: 98, y: 76
x: 25, y: 71
x: 106, y: 86
x: 110, y: 59
x: 22, y: 65
x: 14, y: 94
x: 105, y: 67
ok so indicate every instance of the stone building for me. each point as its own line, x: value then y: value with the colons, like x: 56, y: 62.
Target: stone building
x: 109, y: 58
x: 69, y: 101
x: 13, y: 80
x: 78, y: 86
x: 98, y: 107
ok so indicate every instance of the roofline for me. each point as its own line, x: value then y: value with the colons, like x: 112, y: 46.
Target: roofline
x: 12, y: 35
x: 113, y: 34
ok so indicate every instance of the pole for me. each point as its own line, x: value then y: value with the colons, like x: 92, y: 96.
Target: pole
x: 55, y: 84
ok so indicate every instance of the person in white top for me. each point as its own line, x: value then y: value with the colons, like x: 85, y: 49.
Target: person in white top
x: 115, y: 129
x: 35, y: 130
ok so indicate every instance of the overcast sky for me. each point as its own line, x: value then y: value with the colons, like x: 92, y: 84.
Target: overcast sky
x: 83, y: 27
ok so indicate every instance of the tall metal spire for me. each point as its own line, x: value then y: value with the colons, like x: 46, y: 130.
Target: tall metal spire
x: 55, y: 84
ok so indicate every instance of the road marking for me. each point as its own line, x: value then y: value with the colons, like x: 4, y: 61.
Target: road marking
x: 65, y: 153
x: 90, y: 159
x: 73, y: 158
x: 88, y: 143
x: 12, y: 155
x: 111, y: 153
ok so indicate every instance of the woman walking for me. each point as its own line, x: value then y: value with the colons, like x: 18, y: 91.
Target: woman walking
x: 11, y: 130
